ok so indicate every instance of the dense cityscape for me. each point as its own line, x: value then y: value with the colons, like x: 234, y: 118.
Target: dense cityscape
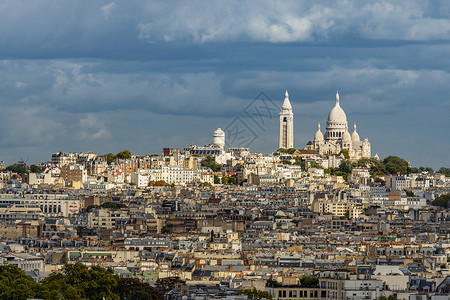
x: 329, y: 220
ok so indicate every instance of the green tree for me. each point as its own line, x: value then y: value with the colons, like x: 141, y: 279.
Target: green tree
x: 109, y: 158
x: 409, y: 193
x: 77, y: 281
x: 216, y: 179
x: 125, y: 154
x: 139, y: 295
x: 132, y: 288
x: 102, y: 284
x: 232, y: 180
x: 113, y: 205
x: 91, y: 207
x: 445, y: 171
x: 55, y: 287
x: 291, y: 150
x: 15, y: 284
x: 17, y: 168
x: 395, y: 164
x: 224, y: 180
x: 210, y: 162
x: 255, y: 294
x: 35, y: 169
x: 441, y: 201
x: 167, y: 284
x: 165, y: 230
x: 363, y: 162
x: 345, y: 153
x: 158, y: 183
x: 272, y: 283
x: 345, y: 166
x: 309, y: 281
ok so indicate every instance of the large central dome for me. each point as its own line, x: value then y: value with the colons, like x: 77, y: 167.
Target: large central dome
x: 337, y: 114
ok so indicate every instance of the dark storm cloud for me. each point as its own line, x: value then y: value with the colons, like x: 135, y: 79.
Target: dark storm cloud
x: 83, y: 75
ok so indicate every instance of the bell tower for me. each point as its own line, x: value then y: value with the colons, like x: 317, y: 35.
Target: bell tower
x: 286, y: 138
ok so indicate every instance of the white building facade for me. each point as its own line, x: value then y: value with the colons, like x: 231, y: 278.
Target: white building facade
x: 337, y: 137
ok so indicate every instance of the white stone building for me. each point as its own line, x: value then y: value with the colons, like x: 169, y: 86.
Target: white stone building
x: 337, y: 137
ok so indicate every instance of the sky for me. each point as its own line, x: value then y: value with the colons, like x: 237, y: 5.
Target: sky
x: 106, y: 76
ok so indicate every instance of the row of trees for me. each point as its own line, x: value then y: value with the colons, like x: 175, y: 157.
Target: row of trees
x: 77, y: 281
x: 21, y: 169
x: 125, y: 154
x: 287, y: 151
x: 390, y: 165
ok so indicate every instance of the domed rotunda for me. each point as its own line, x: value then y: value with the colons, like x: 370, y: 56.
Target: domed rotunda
x: 337, y: 137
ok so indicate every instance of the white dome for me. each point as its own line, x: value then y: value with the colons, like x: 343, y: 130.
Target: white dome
x: 286, y: 103
x: 318, y: 137
x: 346, y: 138
x: 219, y: 138
x: 337, y: 114
x: 355, y: 135
x: 219, y: 132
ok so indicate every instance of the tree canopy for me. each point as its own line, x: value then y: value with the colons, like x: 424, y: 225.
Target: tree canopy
x: 17, y: 168
x: 15, y: 284
x: 255, y: 294
x: 441, y: 201
x: 395, y: 164
x: 77, y: 281
x: 35, y: 169
x: 345, y: 153
x: 125, y: 154
x: 210, y: 162
x: 114, y: 205
x: 158, y: 183
x: 287, y: 151
x: 445, y: 171
x: 309, y: 281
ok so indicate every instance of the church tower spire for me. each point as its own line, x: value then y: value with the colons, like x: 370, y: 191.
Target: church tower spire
x: 286, y: 138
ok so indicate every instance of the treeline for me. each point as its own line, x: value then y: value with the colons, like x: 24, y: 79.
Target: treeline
x: 77, y: 281
x: 125, y: 154
x: 390, y: 165
x: 22, y: 169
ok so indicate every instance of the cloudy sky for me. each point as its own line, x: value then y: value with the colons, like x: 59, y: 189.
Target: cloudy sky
x: 142, y: 75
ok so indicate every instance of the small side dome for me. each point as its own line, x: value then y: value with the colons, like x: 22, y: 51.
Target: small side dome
x: 219, y: 132
x: 355, y: 135
x: 318, y: 137
x: 346, y: 138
